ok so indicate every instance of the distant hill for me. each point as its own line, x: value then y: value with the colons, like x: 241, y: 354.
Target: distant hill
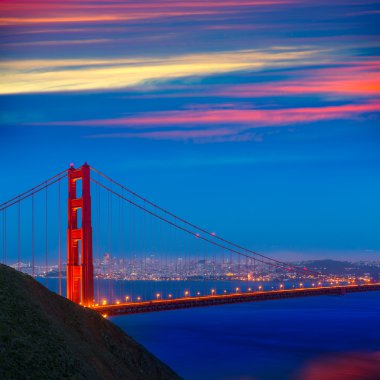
x: 328, y: 266
x: 45, y: 336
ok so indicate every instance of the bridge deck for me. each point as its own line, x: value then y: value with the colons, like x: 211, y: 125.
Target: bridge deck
x: 189, y: 302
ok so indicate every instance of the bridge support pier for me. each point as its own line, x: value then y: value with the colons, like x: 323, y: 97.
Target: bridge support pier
x: 80, y: 272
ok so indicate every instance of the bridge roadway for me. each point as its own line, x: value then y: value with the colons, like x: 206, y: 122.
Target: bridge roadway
x: 211, y: 300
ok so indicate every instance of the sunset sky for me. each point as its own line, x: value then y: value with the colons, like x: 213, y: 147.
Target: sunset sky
x: 255, y: 118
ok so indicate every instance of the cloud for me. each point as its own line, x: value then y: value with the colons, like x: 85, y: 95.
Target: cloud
x: 85, y: 18
x: 33, y: 76
x: 355, y: 79
x: 59, y: 42
x: 217, y: 125
x: 21, y: 12
x: 200, y: 135
x: 24, y: 12
x: 254, y: 118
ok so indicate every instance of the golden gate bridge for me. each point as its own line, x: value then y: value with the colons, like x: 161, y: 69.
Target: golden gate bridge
x: 120, y: 253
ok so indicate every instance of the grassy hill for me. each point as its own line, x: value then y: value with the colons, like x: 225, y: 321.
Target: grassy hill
x: 45, y: 336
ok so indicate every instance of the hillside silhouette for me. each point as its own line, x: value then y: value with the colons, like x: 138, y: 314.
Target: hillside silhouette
x: 46, y: 336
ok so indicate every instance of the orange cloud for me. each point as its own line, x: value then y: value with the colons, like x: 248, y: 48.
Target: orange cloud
x: 361, y: 79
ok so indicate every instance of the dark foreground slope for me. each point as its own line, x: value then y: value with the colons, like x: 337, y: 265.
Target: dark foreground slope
x: 45, y: 336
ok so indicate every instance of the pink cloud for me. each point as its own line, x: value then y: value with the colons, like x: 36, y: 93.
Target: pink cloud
x: 16, y: 12
x: 253, y: 118
x: 217, y: 125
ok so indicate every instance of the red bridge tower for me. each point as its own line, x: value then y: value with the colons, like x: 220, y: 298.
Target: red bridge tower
x: 80, y: 280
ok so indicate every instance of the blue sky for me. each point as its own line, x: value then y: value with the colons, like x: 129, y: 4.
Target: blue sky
x: 257, y: 119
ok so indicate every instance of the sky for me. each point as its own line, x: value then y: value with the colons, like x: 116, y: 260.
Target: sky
x: 258, y: 119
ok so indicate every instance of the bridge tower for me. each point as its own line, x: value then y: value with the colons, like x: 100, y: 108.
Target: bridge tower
x: 80, y: 272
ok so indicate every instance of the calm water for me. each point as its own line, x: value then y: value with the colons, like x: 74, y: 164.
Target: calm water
x: 267, y: 340
x: 264, y: 340
x: 113, y: 290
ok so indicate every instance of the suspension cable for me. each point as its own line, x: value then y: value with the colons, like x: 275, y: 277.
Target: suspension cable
x: 282, y: 266
x: 21, y: 197
x: 33, y: 189
x: 212, y: 234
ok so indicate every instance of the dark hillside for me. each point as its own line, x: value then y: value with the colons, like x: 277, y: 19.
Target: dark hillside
x: 45, y: 336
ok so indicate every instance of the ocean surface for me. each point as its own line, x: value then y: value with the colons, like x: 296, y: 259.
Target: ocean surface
x: 263, y: 340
